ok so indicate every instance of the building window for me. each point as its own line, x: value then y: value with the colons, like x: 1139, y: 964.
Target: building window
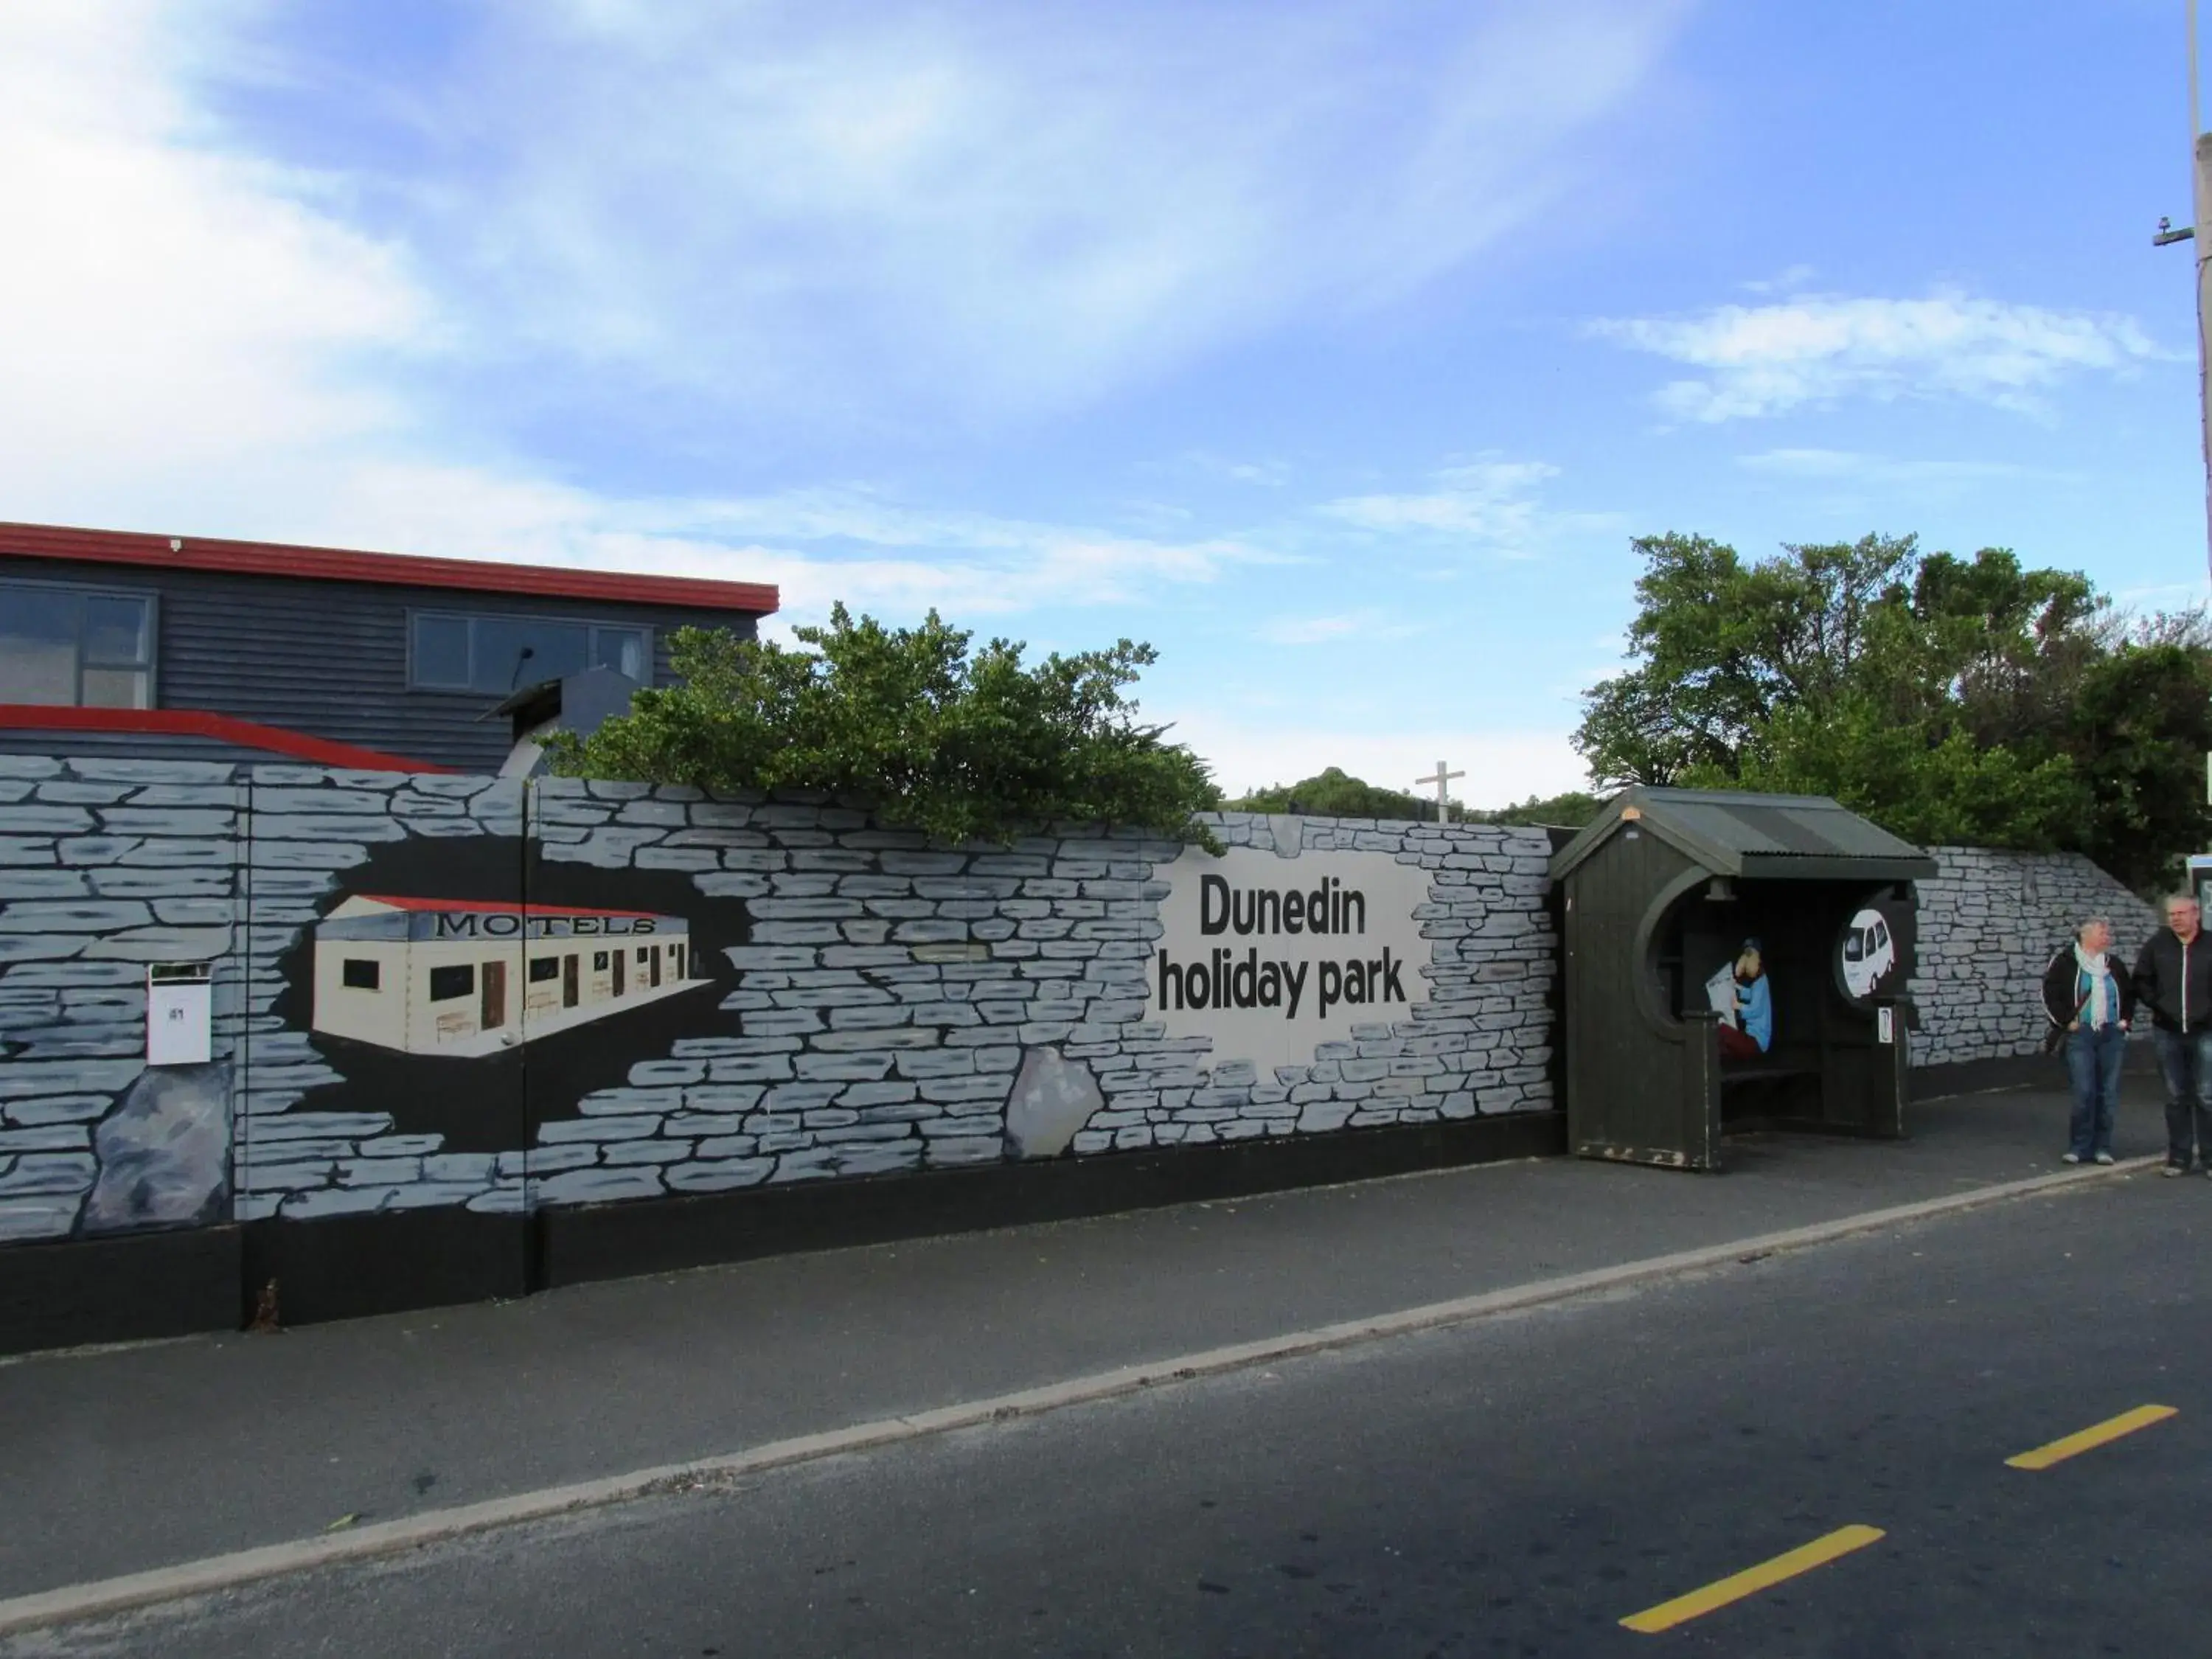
x: 599, y: 962
x: 447, y: 983
x: 499, y: 654
x: 75, y: 646
x: 361, y: 975
x: 544, y: 968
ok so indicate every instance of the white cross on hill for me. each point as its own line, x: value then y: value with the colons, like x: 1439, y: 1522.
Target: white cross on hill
x: 1441, y: 779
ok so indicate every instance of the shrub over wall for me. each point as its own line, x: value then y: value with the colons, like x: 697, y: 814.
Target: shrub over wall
x: 964, y: 745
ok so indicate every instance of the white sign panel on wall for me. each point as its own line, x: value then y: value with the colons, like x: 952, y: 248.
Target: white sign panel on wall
x: 1269, y: 956
x: 179, y: 1003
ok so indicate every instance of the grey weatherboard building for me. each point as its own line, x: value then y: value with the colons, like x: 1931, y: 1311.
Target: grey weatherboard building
x: 147, y: 645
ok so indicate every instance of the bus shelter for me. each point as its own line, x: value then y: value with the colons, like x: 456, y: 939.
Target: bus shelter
x: 1733, y: 961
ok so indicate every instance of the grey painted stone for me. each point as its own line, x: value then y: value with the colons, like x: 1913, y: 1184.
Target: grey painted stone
x: 125, y: 883
x: 162, y: 944
x: 48, y: 1174
x: 1053, y: 1098
x: 430, y: 1194
x: 334, y: 1200
x: 49, y: 1138
x: 23, y: 1220
x: 720, y: 1174
x: 597, y: 1186
x: 42, y: 883
x: 56, y: 1109
x: 953, y: 1150
x: 308, y: 827
x: 43, y: 947
x: 312, y: 1125
x: 27, y: 819
x: 26, y: 1079
x: 598, y: 1128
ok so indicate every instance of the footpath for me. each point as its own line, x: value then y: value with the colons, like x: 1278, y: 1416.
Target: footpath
x: 119, y: 1461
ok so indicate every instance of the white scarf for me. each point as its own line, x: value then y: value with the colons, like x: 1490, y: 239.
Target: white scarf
x: 2099, y: 1013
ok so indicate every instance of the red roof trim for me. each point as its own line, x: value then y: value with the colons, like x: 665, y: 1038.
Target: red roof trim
x: 495, y: 907
x: 198, y: 723
x: 37, y: 541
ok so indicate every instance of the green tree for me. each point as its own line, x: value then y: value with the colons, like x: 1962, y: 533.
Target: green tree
x: 2140, y: 727
x: 1570, y: 810
x: 963, y: 744
x: 1949, y: 699
x: 1334, y: 794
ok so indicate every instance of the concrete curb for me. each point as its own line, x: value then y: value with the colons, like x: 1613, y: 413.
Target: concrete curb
x: 106, y: 1597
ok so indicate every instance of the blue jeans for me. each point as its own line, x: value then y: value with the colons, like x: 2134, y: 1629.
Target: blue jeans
x: 2186, y: 1064
x: 2093, y: 1062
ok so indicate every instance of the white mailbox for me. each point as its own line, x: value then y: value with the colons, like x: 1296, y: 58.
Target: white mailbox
x: 179, y: 1013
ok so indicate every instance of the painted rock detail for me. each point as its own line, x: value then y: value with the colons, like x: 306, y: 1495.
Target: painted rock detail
x: 165, y: 1152
x: 1053, y: 1098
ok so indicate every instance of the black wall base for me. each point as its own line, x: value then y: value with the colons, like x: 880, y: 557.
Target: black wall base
x: 348, y: 1267
x: 153, y: 1284
x: 1970, y: 1077
x: 118, y: 1289
x: 615, y: 1240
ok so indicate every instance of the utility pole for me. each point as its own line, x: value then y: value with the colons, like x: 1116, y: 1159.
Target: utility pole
x: 2200, y: 143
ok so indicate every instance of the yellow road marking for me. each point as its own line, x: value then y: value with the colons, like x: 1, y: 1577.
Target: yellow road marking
x: 2089, y: 1438
x: 1752, y: 1580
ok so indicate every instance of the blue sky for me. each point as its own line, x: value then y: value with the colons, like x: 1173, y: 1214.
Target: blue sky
x: 1338, y: 351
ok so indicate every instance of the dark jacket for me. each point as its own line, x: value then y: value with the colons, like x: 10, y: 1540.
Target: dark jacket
x: 2176, y: 983
x: 2061, y: 993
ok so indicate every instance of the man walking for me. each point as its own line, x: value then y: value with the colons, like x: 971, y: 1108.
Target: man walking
x: 2174, y: 977
x: 2087, y: 991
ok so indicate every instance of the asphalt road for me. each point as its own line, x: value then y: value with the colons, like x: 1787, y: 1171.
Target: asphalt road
x: 141, y: 1457
x: 1516, y: 1488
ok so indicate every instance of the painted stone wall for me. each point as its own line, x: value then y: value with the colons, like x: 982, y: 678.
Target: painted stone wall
x: 878, y: 1005
x: 1988, y: 924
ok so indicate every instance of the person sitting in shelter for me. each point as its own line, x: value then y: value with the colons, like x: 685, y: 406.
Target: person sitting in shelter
x: 1751, y: 1034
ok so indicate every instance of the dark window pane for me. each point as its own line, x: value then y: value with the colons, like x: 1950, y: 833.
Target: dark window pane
x: 115, y: 631
x: 361, y: 975
x: 544, y: 968
x: 446, y: 983
x: 115, y: 688
x: 38, y: 645
x: 599, y: 962
x: 622, y: 649
x: 511, y: 653
x: 442, y: 652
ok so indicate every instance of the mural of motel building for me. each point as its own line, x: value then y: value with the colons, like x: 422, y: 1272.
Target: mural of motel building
x: 465, y: 978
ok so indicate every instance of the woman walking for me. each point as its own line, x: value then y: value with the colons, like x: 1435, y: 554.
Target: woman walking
x: 2089, y: 993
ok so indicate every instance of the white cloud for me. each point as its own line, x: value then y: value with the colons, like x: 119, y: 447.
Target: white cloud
x: 1845, y: 466
x: 1269, y: 475
x: 1790, y: 277
x: 964, y: 207
x: 164, y: 304
x: 1364, y: 625
x: 196, y: 347
x: 1765, y: 360
x: 897, y: 210
x: 1491, y: 503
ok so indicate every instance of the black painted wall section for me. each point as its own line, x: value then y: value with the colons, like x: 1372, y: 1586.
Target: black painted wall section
x: 132, y: 1288
x: 330, y: 659
x: 172, y: 1284
x: 610, y: 1240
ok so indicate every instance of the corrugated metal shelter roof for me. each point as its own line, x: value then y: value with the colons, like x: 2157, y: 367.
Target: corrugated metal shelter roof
x: 1758, y: 837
